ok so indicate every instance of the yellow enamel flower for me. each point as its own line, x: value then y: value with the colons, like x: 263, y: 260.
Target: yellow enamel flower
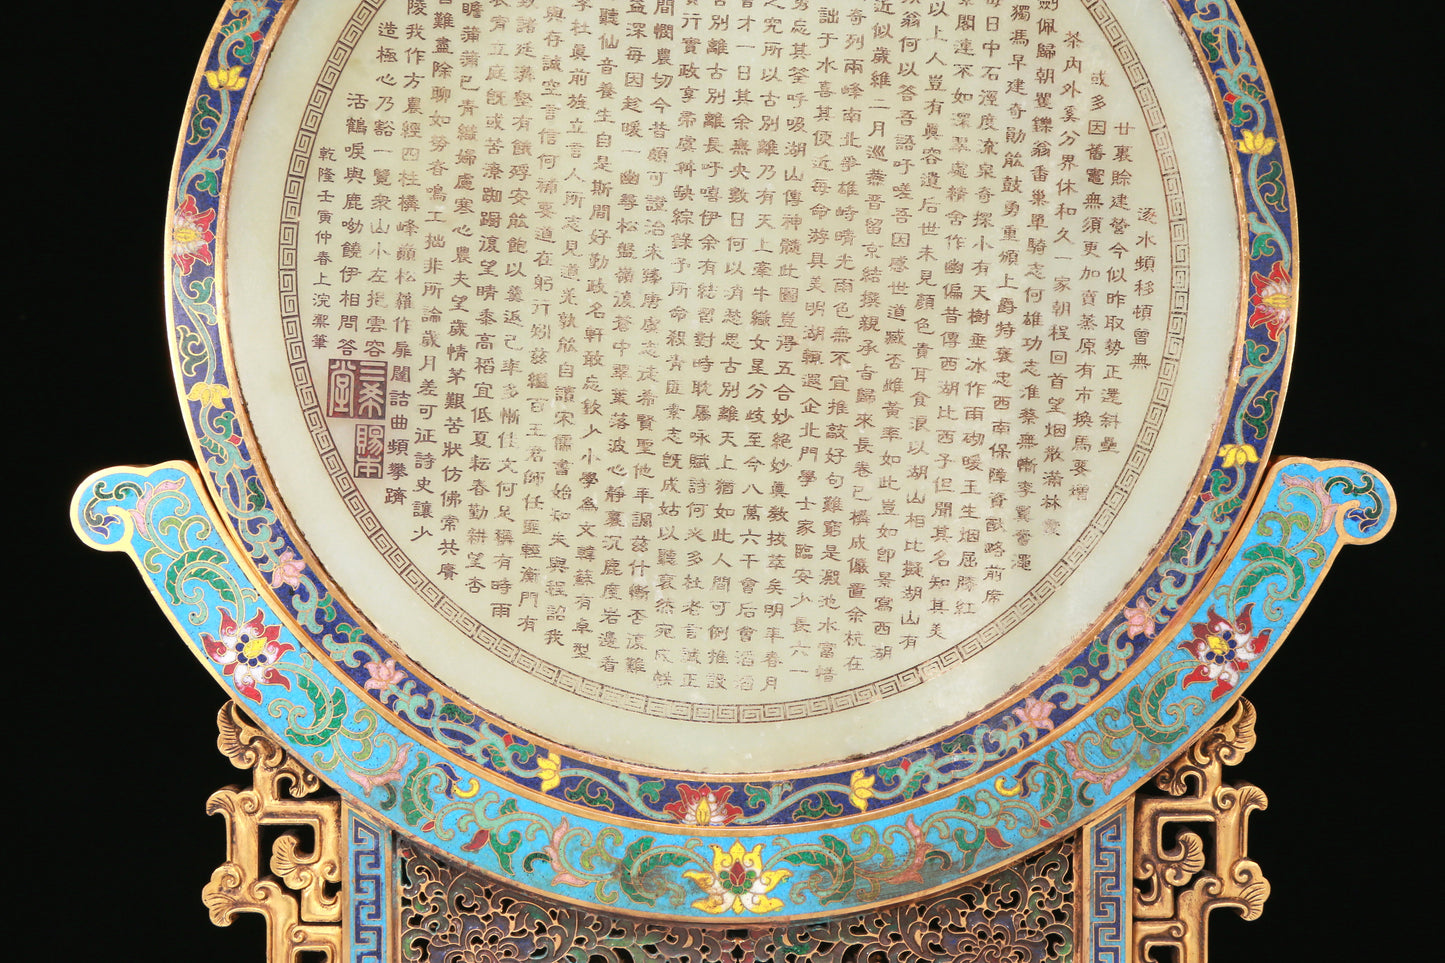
x: 1238, y: 455
x: 737, y: 882
x: 860, y: 789
x: 1254, y: 142
x: 549, y: 767
x: 228, y: 79
x: 208, y: 394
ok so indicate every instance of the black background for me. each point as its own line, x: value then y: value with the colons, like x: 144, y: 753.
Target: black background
x: 116, y: 729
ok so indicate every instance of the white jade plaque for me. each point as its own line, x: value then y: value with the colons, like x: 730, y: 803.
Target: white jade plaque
x: 737, y: 387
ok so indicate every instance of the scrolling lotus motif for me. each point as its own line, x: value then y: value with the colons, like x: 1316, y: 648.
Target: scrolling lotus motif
x: 248, y: 653
x: 1224, y: 649
x: 191, y: 235
x: 1272, y: 303
x: 738, y: 882
x: 703, y: 806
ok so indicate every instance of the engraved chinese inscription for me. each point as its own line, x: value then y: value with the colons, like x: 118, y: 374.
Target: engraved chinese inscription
x: 736, y: 360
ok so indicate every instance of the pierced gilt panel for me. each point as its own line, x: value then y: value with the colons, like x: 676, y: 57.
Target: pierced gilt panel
x: 1191, y: 845
x: 1023, y: 913
x: 299, y: 896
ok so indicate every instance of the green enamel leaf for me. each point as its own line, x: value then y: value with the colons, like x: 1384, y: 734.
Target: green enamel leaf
x: 1179, y: 551
x: 1271, y: 185
x: 1144, y: 706
x: 810, y: 857
x: 255, y: 497
x: 208, y: 181
x: 658, y: 859
x: 589, y: 793
x: 968, y: 848
x: 962, y: 742
x: 1265, y: 243
x: 232, y: 27
x: 913, y: 784
x: 200, y: 290
x: 817, y: 806
x: 1259, y: 413
x: 204, y: 564
x: 326, y: 716
x: 1268, y: 561
x: 190, y: 350
x: 1224, y: 507
x: 415, y: 803
x: 650, y: 790
x: 523, y: 751
x: 504, y: 847
x: 451, y: 710
x: 1058, y: 796
x: 244, y: 51
x: 758, y: 796
x: 1210, y: 41
x: 833, y: 857
x: 845, y: 875
x: 1256, y: 353
x: 532, y: 859
x: 507, y: 808
x: 204, y: 119
x: 627, y: 879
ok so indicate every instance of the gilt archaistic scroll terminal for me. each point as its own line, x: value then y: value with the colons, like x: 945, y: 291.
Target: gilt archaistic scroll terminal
x: 711, y: 472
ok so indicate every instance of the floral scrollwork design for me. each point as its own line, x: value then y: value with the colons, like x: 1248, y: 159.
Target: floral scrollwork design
x: 1023, y: 912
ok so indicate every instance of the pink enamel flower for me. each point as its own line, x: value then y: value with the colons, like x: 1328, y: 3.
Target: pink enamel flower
x: 191, y: 235
x: 1036, y: 713
x: 248, y: 653
x: 383, y: 675
x: 287, y: 571
x: 1321, y: 491
x: 1139, y: 619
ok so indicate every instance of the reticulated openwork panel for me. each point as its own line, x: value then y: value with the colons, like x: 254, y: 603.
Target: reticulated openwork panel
x: 1024, y: 913
x: 1191, y: 848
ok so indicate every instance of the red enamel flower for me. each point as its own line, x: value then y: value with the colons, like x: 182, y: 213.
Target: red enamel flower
x: 703, y: 806
x: 1272, y: 304
x: 248, y: 653
x: 1224, y: 649
x: 191, y: 235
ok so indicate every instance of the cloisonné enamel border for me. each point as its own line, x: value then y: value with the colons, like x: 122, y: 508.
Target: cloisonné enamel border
x: 1190, y: 675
